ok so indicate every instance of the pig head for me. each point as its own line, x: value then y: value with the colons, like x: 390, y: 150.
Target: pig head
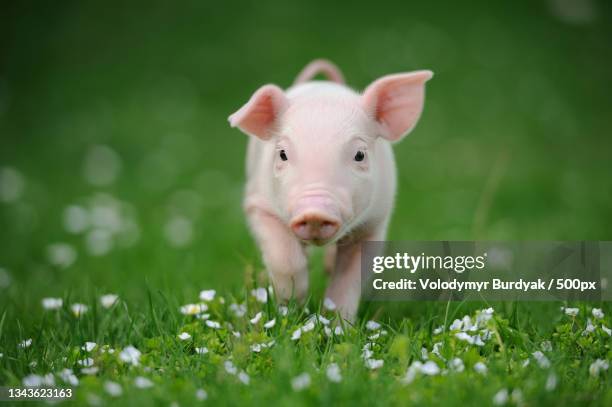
x: 321, y: 171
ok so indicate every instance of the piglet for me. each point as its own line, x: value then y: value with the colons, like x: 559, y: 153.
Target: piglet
x: 320, y: 171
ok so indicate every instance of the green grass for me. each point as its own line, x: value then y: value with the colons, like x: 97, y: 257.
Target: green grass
x: 177, y: 371
x: 513, y: 145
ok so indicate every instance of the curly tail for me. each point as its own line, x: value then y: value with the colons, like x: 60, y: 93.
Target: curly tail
x: 317, y: 66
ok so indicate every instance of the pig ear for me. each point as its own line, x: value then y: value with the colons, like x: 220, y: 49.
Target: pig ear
x: 396, y: 101
x: 259, y: 116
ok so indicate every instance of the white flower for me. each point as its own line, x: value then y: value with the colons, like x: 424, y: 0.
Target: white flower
x: 589, y: 327
x: 89, y: 346
x: 52, y: 303
x: 372, y: 325
x: 68, y: 377
x: 270, y: 324
x: 108, y: 300
x: 203, y: 317
x: 238, y: 309
x: 213, y: 324
x: 244, y: 377
x: 598, y: 366
x: 542, y: 360
x: 102, y: 165
x: 236, y: 334
x: 201, y: 351
x: 201, y: 394
x: 260, y: 294
x: 130, y: 355
x: 598, y: 313
x: 88, y: 362
x: 546, y: 346
x: 113, y: 388
x: 374, y: 364
x: 412, y: 371
x: 551, y: 382
x: 92, y: 370
x: 338, y: 330
x: 333, y: 373
x: 501, y: 397
x: 32, y: 380
x: 142, y: 382
x: 5, y: 278
x: 256, y: 348
x: 328, y: 304
x: 1, y: 355
x: 467, y: 324
x: 465, y: 337
x: 438, y: 330
x: 456, y: 325
x: 256, y: 318
x: 457, y: 365
x: 483, y: 316
x: 108, y: 349
x: 283, y: 310
x: 300, y: 382
x: 366, y: 354
x: 179, y: 231
x: 207, y: 295
x: 606, y: 329
x: 481, y: 368
x: 25, y: 343
x: 308, y: 326
x: 76, y: 219
x: 61, y: 255
x: 12, y: 184
x: 229, y: 367
x: 184, y: 336
x: 571, y: 311
x: 430, y: 368
x: 436, y: 350
x: 487, y: 311
x: 296, y: 334
x: 79, y: 309
x: 424, y: 353
x: 193, y: 309
x: 323, y: 320
x: 99, y: 241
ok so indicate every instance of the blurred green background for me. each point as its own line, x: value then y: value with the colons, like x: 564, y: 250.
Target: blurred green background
x: 130, y: 101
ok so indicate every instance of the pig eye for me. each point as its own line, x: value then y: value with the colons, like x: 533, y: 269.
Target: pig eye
x: 283, y: 155
x: 359, y: 156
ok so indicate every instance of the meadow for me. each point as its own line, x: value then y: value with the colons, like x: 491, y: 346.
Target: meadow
x: 121, y: 186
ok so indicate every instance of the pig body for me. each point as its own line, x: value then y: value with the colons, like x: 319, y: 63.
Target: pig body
x: 321, y: 171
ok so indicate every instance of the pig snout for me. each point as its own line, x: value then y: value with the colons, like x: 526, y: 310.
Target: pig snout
x: 315, y: 219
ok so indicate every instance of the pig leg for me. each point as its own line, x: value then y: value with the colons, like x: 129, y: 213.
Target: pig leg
x: 329, y: 262
x: 283, y: 255
x: 345, y: 286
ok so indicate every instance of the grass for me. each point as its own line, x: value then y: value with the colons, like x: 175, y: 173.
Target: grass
x: 513, y: 145
x: 456, y: 373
